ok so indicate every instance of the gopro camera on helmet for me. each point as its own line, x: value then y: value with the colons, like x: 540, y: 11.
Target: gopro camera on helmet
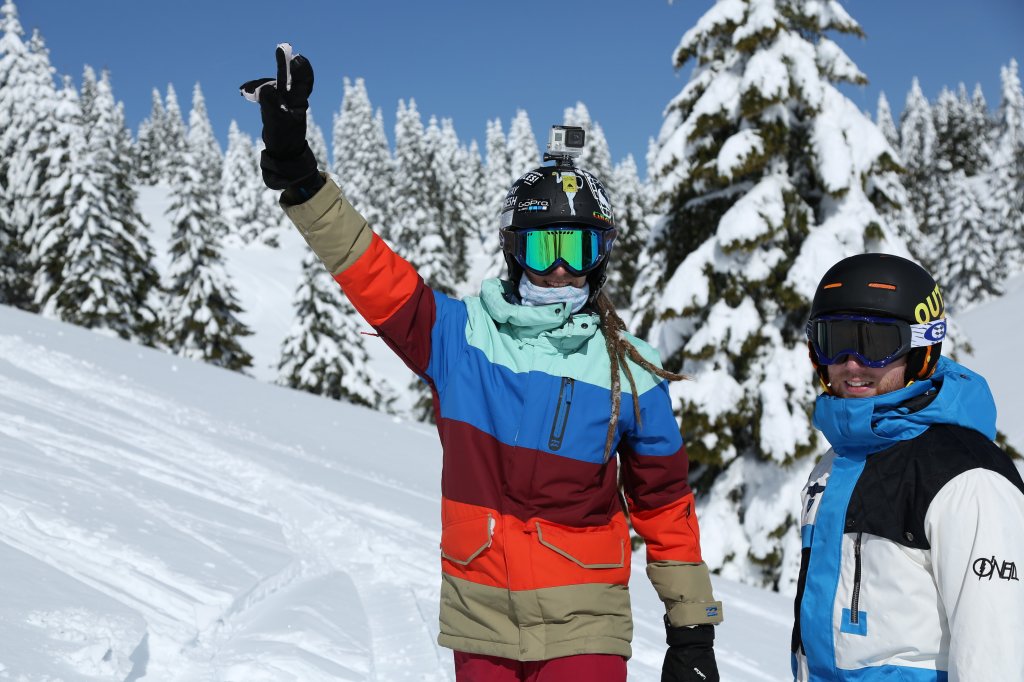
x: 565, y: 143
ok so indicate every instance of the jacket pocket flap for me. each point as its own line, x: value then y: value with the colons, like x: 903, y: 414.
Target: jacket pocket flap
x: 587, y: 547
x: 463, y: 541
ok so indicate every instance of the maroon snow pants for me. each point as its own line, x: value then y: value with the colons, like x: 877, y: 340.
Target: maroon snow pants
x: 582, y: 668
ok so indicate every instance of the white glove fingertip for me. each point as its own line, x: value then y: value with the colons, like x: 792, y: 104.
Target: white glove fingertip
x: 287, y: 49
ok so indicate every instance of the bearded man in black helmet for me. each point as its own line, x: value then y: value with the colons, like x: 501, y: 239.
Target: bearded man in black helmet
x: 913, y: 523
x: 527, y: 383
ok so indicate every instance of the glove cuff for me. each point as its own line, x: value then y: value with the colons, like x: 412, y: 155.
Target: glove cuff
x: 700, y: 635
x: 282, y: 173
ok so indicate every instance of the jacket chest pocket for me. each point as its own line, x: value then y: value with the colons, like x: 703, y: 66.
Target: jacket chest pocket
x: 464, y: 541
x: 563, y: 406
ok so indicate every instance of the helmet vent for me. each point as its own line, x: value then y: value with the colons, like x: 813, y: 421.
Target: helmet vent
x: 880, y: 285
x: 834, y: 285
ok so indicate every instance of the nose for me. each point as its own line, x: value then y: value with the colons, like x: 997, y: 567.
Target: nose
x: 851, y: 361
x: 560, y: 271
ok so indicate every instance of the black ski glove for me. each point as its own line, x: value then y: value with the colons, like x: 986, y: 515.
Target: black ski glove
x: 690, y: 656
x: 287, y: 162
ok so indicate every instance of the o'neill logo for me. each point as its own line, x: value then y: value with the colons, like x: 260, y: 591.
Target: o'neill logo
x: 991, y: 568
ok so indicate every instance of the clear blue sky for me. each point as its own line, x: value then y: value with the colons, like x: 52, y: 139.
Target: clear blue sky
x: 473, y: 61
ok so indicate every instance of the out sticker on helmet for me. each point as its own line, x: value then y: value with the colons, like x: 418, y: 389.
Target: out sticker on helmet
x: 931, y: 308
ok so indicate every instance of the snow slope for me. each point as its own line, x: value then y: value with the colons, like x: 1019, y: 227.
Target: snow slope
x: 162, y: 519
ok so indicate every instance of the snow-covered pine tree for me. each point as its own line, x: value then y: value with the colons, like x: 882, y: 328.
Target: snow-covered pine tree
x: 455, y: 198
x: 52, y: 238
x: 242, y: 187
x: 471, y: 177
x: 631, y: 210
x: 970, y: 268
x: 174, y: 136
x: 150, y: 146
x: 522, y: 145
x: 1006, y: 174
x: 108, y: 274
x: 201, y: 312
x: 969, y: 265
x: 917, y: 154
x: 202, y: 143
x: 499, y: 177
x: 760, y: 179
x: 420, y: 236
x: 27, y: 98
x: 317, y: 142
x: 596, y: 156
x: 960, y: 138
x: 362, y: 158
x: 324, y: 352
x: 885, y: 122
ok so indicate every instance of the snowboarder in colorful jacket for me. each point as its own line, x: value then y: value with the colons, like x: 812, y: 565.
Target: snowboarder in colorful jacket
x: 527, y: 380
x: 913, y: 523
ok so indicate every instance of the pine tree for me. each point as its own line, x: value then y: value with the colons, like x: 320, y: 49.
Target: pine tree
x: 362, y: 158
x: 596, y: 156
x: 499, y: 177
x: 51, y: 243
x: 108, y: 274
x: 150, y: 147
x: 761, y: 178
x: 961, y: 143
x: 970, y: 268
x: 450, y: 163
x: 174, y: 137
x: 917, y: 153
x: 1006, y: 207
x: 27, y: 98
x: 631, y: 210
x: 885, y: 122
x: 201, y: 141
x: 324, y: 352
x: 317, y: 142
x: 420, y: 235
x: 522, y: 146
x: 201, y: 313
x: 248, y: 215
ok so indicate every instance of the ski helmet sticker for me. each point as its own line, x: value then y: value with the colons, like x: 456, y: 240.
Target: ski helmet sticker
x: 570, y: 185
x: 597, y: 189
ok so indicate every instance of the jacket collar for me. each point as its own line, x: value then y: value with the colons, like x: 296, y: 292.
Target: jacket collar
x: 868, y: 425
x: 552, y: 324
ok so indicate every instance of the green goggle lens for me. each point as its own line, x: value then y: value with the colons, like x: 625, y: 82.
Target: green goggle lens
x: 579, y: 249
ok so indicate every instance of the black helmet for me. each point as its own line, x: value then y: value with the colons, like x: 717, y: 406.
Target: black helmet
x: 552, y: 196
x: 882, y: 285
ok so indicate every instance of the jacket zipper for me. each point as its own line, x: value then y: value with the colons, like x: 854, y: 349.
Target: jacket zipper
x: 561, y: 413
x: 855, y: 603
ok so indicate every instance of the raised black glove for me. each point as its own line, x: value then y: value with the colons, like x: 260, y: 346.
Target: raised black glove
x: 690, y: 656
x: 287, y: 161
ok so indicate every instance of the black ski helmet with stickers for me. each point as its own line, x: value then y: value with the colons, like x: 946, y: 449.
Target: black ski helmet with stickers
x: 550, y: 196
x: 882, y: 285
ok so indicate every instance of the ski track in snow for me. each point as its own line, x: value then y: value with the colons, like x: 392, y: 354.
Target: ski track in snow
x: 114, y: 443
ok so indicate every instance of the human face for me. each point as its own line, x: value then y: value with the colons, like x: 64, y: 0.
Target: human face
x: 559, y: 277
x: 851, y: 379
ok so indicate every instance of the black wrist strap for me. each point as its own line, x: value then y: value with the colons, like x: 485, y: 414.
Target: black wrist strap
x: 303, y: 190
x: 701, y: 635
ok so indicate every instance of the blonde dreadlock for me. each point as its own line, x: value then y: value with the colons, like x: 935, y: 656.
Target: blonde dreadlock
x: 619, y: 348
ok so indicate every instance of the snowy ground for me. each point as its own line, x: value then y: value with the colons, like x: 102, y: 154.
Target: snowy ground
x: 165, y: 520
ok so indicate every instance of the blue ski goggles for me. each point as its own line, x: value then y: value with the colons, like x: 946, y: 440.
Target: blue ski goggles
x: 541, y: 250
x: 873, y: 341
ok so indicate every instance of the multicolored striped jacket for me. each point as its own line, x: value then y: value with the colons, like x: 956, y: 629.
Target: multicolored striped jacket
x: 535, y: 548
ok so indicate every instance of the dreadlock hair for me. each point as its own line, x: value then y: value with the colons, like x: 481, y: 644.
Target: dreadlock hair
x: 619, y: 348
